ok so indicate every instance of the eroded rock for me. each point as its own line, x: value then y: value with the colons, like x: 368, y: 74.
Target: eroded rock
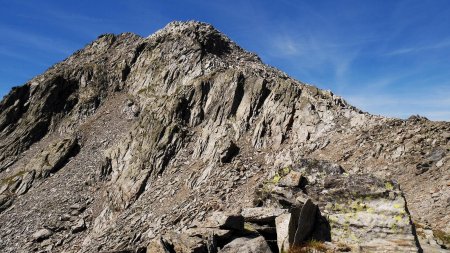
x: 247, y: 245
x: 225, y: 221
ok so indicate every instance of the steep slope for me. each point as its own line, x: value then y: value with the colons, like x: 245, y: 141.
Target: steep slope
x: 132, y: 137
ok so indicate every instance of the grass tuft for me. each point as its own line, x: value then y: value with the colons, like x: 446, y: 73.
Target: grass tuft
x: 312, y: 246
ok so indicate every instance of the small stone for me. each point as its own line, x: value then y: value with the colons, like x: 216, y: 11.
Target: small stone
x: 79, y: 226
x: 42, y: 234
x: 65, y: 217
x: 292, y: 179
x: 78, y: 207
x: 46, y: 243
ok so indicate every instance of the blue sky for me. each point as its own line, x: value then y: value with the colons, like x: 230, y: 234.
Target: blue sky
x: 386, y: 57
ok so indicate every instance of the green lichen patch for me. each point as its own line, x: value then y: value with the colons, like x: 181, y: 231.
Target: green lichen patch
x: 276, y: 179
x: 284, y: 171
x: 248, y: 227
x: 12, y: 179
x: 389, y: 186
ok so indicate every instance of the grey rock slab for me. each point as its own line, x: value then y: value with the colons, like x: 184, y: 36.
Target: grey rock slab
x: 204, y: 233
x: 293, y: 223
x: 306, y: 222
x: 27, y: 182
x: 262, y: 215
x: 225, y: 221
x: 52, y: 157
x: 282, y: 227
x: 247, y: 245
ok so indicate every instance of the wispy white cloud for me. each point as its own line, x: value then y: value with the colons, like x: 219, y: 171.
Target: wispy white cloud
x: 409, y: 50
x: 313, y: 52
x: 286, y: 46
x: 23, y: 57
x: 36, y: 41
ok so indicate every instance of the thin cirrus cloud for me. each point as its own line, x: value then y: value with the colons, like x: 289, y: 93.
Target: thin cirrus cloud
x: 374, y: 71
x: 439, y: 45
x: 316, y: 52
x: 38, y: 42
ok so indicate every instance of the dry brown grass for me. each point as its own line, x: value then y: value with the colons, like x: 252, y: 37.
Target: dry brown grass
x: 312, y: 246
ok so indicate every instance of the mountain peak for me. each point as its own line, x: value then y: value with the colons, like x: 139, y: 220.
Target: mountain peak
x: 186, y: 27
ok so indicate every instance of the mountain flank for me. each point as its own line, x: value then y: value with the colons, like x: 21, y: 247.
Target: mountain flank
x: 185, y: 142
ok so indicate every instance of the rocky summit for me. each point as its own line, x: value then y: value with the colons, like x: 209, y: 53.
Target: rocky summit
x: 183, y: 142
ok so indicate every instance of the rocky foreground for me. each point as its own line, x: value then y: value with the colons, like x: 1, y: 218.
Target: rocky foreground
x: 184, y: 142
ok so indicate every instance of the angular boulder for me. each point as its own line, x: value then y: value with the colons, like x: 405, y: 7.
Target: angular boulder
x: 225, y: 221
x: 282, y: 227
x: 205, y: 233
x: 53, y: 157
x: 306, y: 222
x: 262, y: 215
x: 292, y: 179
x: 179, y: 243
x: 247, y: 245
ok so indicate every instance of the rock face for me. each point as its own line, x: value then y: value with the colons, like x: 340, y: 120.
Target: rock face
x: 185, y: 142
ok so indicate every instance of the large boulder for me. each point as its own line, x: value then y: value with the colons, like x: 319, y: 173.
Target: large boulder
x: 225, y: 221
x: 262, y: 215
x: 206, y: 233
x: 306, y: 222
x: 362, y: 211
x: 282, y: 226
x: 179, y: 243
x: 247, y: 245
x: 53, y: 157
